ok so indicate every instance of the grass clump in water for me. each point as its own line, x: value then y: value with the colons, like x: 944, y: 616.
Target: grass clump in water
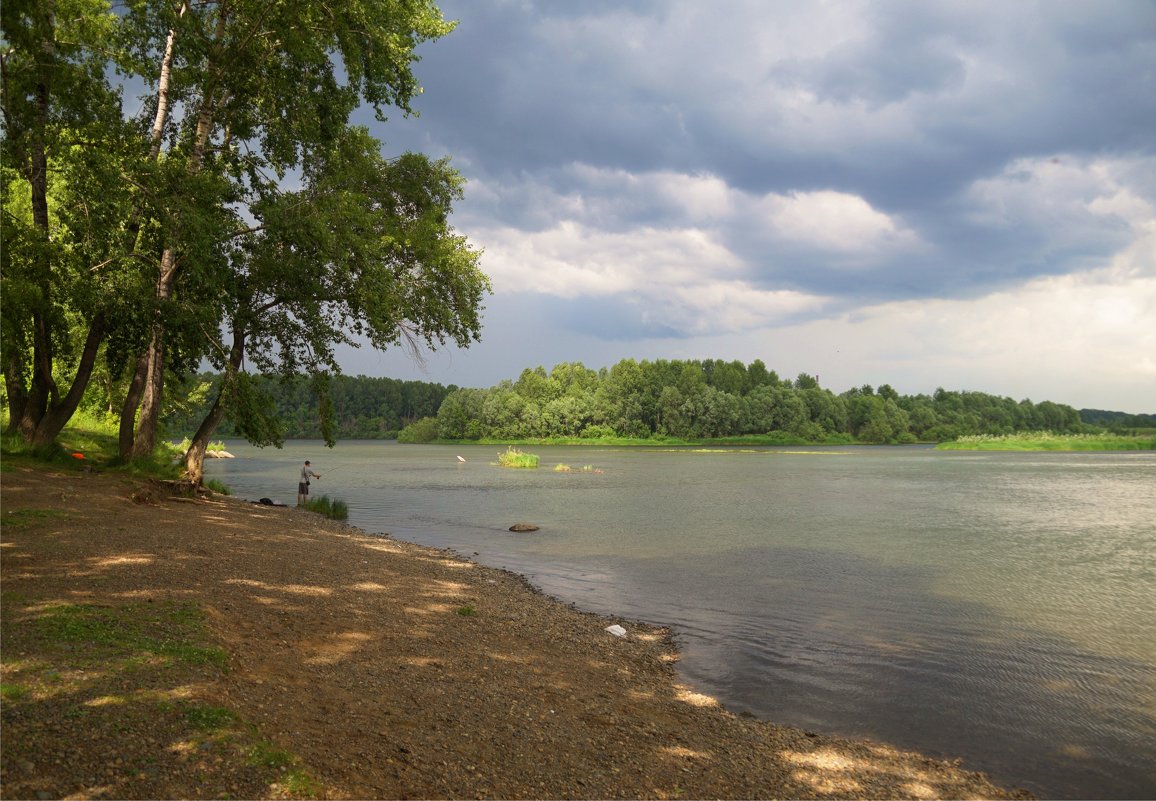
x: 333, y: 509
x: 512, y: 457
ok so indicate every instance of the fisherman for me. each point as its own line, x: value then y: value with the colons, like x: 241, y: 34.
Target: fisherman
x: 303, y: 484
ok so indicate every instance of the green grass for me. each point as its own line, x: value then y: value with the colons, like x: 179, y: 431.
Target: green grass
x: 17, y: 518
x: 512, y: 457
x: 212, y: 719
x: 1047, y: 441
x: 13, y: 692
x: 140, y: 632
x: 91, y: 442
x: 333, y: 509
x: 467, y: 611
x: 217, y: 486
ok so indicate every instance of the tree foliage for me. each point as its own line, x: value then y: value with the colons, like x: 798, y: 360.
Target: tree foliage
x: 712, y: 399
x: 361, y: 407
x: 235, y: 215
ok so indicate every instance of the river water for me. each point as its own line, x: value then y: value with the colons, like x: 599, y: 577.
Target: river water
x: 999, y: 607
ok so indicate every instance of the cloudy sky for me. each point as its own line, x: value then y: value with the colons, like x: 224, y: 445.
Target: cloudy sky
x: 956, y: 194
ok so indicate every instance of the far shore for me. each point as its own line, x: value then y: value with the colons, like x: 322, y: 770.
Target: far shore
x: 160, y: 646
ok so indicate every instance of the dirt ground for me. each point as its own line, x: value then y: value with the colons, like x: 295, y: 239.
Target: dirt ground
x: 156, y: 646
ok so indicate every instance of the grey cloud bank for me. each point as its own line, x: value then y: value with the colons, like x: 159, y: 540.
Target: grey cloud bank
x: 928, y: 194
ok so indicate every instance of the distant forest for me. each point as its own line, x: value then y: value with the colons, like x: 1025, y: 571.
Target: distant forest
x: 650, y: 399
x: 363, y: 407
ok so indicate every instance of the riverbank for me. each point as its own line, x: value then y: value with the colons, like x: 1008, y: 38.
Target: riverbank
x: 164, y: 647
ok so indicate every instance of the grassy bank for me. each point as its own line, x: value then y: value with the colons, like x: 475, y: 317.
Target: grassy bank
x: 764, y: 440
x: 1047, y: 441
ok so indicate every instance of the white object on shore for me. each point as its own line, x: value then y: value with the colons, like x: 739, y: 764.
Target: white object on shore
x: 616, y: 630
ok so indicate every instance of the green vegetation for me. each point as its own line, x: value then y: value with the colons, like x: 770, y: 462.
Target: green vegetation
x: 360, y: 407
x: 672, y: 402
x: 146, y: 235
x: 512, y: 457
x: 217, y: 486
x: 1120, y: 422
x: 467, y: 611
x: 144, y: 632
x: 333, y: 509
x: 1047, y: 441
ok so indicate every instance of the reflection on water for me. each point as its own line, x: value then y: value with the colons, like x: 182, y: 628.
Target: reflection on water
x: 999, y: 607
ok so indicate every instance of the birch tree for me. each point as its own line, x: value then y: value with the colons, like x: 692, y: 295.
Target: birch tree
x: 364, y: 252
x: 261, y: 89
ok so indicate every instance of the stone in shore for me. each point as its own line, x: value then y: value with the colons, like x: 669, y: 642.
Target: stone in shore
x: 523, y: 527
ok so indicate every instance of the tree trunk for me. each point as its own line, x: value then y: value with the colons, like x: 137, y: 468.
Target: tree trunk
x: 145, y: 439
x: 17, y: 392
x: 129, y: 408
x: 150, y: 406
x: 60, y: 412
x: 195, y: 455
x: 36, y: 173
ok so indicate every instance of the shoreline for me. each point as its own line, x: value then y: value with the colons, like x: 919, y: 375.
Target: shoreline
x: 383, y: 668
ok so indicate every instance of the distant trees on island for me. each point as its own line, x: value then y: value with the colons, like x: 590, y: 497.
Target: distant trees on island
x: 663, y: 399
x: 713, y: 398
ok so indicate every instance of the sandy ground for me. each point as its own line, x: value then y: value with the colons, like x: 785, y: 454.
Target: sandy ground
x: 353, y: 666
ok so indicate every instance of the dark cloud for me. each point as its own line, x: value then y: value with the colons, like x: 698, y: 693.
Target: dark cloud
x: 854, y: 154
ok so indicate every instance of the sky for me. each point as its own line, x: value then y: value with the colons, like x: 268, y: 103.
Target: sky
x: 924, y: 194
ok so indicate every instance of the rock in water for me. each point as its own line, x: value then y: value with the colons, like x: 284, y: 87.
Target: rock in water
x: 523, y: 527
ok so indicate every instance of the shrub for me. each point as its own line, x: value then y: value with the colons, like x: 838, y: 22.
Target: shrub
x: 512, y: 457
x: 424, y: 430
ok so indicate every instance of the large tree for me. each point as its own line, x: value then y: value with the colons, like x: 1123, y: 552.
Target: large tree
x: 64, y: 201
x: 148, y: 233
x: 364, y: 251
x: 248, y: 90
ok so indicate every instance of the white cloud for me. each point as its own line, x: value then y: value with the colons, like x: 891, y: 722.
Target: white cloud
x: 1085, y: 339
x: 1058, y: 191
x: 837, y: 222
x: 572, y: 259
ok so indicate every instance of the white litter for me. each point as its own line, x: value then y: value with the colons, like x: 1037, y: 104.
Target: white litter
x: 616, y: 630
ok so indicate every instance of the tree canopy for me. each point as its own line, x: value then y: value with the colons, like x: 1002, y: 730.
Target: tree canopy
x: 714, y: 398
x: 234, y: 216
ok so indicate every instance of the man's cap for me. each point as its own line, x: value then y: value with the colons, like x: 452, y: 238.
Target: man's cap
x: 306, y: 461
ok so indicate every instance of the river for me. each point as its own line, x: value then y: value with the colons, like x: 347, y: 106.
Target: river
x: 999, y: 607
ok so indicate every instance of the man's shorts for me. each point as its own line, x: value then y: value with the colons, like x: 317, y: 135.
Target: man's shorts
x: 303, y: 488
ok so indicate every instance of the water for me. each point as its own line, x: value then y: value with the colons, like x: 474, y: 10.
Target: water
x: 997, y: 607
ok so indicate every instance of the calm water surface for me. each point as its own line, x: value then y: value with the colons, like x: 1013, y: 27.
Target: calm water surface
x: 998, y: 607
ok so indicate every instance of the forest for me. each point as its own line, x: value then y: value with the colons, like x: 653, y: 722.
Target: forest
x: 362, y: 407
x: 661, y: 399
x: 713, y: 398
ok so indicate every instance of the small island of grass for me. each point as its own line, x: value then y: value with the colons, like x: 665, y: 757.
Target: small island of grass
x: 1048, y: 441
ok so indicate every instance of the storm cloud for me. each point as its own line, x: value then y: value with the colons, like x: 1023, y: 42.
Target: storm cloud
x: 854, y: 189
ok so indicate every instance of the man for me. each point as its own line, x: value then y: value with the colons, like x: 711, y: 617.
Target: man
x: 303, y: 484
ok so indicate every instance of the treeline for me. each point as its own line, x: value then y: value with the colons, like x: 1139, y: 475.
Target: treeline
x: 360, y: 407
x: 714, y: 398
x: 1118, y: 421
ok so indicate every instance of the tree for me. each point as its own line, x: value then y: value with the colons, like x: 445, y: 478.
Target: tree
x: 245, y: 91
x: 364, y: 250
x: 61, y: 117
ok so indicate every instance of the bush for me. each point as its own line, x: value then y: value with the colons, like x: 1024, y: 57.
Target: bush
x: 512, y: 457
x: 424, y: 430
